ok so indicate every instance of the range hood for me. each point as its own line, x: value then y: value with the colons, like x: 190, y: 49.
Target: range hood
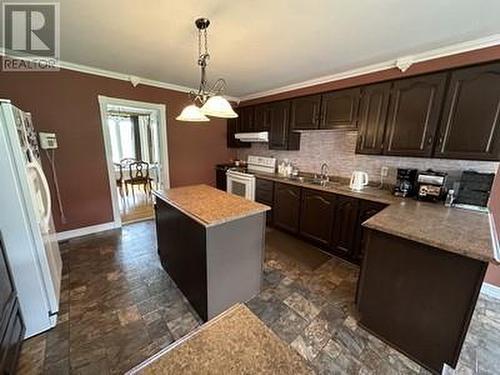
x: 252, y: 137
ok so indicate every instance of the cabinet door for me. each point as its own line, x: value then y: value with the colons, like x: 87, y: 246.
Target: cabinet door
x: 470, y: 126
x: 414, y: 110
x: 372, y: 117
x: 262, y: 118
x: 316, y: 216
x: 345, y: 225
x: 264, y: 191
x: 247, y: 119
x: 286, y: 207
x: 7, y: 291
x: 339, y: 109
x: 233, y: 127
x: 280, y: 136
x: 305, y: 112
x: 366, y: 210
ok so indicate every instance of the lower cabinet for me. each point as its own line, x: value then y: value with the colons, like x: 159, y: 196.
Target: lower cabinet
x: 366, y: 210
x: 11, y: 322
x: 330, y: 221
x: 345, y: 226
x: 317, y: 216
x: 286, y: 207
x: 264, y: 192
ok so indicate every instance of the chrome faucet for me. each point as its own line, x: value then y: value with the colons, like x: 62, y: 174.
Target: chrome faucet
x: 324, y: 172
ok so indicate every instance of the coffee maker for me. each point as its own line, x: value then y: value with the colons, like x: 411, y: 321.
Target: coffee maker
x: 431, y: 185
x: 406, y: 180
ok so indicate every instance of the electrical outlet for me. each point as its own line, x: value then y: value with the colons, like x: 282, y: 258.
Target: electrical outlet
x: 384, y: 171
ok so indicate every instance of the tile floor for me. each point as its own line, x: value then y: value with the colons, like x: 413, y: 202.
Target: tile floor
x: 118, y: 307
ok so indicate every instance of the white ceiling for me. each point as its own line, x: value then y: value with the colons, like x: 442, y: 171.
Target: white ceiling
x: 263, y: 44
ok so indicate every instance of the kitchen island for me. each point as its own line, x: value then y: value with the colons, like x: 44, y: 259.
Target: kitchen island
x: 211, y: 243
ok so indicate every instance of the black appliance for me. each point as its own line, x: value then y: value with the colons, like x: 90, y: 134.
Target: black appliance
x: 406, y: 182
x: 220, y: 175
x: 431, y: 185
x: 474, y: 190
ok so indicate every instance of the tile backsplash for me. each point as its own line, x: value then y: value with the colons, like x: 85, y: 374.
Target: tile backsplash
x: 336, y: 148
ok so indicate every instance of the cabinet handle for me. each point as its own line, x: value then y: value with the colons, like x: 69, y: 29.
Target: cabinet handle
x: 429, y: 141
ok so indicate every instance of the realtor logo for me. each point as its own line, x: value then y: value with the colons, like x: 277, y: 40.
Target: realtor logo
x: 30, y: 36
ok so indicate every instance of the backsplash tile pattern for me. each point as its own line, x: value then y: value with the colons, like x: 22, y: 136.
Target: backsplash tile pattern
x: 337, y: 149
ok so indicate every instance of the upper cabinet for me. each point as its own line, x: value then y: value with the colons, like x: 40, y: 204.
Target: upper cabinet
x: 233, y: 127
x: 247, y: 119
x: 305, y: 113
x: 372, y: 117
x: 339, y: 109
x: 262, y: 118
x: 470, y: 127
x: 453, y: 114
x: 280, y: 135
x: 414, y: 110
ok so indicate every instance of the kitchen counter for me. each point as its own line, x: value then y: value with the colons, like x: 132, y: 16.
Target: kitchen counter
x: 455, y: 230
x: 209, y: 206
x: 236, y: 342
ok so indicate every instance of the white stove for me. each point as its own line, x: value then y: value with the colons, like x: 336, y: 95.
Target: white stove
x: 241, y: 181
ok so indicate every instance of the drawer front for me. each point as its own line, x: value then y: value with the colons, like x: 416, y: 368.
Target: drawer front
x: 264, y: 191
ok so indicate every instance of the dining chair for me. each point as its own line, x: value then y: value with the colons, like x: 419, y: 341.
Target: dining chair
x: 139, y: 175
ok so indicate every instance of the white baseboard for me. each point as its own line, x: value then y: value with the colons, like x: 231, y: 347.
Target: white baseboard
x: 61, y: 236
x: 491, y: 290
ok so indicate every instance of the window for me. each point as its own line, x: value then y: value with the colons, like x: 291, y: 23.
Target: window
x: 121, y: 130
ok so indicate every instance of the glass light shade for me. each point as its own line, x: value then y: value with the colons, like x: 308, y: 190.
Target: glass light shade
x: 192, y: 113
x: 218, y: 106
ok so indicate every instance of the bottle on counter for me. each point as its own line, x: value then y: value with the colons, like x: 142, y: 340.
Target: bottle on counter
x: 450, y: 198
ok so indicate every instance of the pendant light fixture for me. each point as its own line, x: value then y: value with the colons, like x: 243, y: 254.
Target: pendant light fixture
x: 210, y: 100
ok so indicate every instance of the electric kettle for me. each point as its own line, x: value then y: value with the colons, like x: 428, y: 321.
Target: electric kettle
x: 358, y: 180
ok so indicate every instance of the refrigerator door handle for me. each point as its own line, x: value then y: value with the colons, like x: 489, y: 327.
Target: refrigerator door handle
x: 41, y: 196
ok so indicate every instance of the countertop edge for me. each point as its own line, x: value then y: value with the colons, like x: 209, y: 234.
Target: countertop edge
x: 206, y: 224
x: 495, y: 241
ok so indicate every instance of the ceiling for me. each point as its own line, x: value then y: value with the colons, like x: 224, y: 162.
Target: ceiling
x: 261, y: 44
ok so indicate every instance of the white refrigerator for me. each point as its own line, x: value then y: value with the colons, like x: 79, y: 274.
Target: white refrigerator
x: 26, y: 221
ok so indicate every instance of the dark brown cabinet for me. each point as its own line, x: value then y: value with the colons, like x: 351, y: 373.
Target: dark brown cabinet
x: 316, y: 216
x: 414, y: 110
x: 339, y: 109
x: 470, y: 126
x: 11, y: 322
x: 247, y: 119
x: 233, y: 128
x: 366, y: 210
x: 264, y: 193
x: 286, y: 207
x: 262, y: 118
x: 372, y: 116
x: 345, y: 225
x: 305, y: 113
x: 280, y: 135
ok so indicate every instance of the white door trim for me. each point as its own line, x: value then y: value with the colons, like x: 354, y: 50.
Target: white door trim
x: 104, y: 101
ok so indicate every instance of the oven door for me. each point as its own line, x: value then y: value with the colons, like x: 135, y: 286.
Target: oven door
x: 244, y: 186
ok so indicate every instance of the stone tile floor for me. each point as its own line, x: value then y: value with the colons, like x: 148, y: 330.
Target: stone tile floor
x: 119, y: 307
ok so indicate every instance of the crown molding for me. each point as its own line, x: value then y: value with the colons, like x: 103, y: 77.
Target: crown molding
x: 454, y: 49
x: 133, y: 79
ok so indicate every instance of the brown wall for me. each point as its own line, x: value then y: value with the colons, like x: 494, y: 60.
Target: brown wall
x: 66, y: 103
x: 493, y: 274
x: 453, y: 61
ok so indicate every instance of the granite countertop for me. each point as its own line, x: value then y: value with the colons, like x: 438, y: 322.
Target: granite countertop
x: 235, y: 342
x: 455, y: 230
x: 209, y: 206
